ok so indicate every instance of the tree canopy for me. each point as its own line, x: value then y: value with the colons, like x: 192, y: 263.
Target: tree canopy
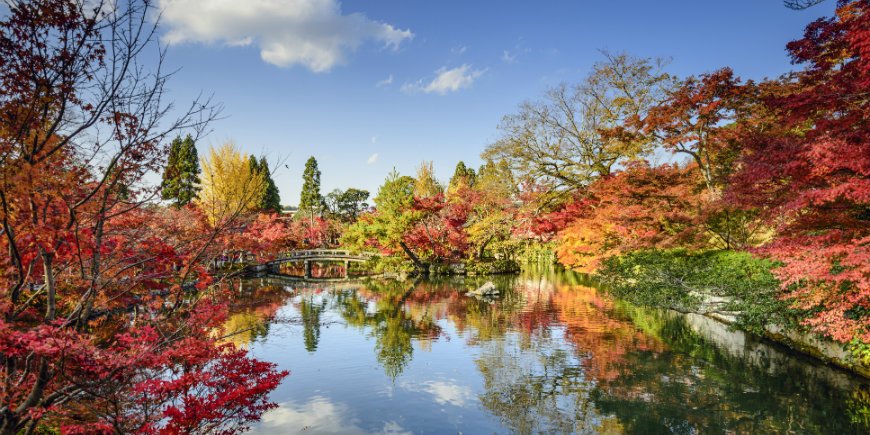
x: 181, y: 175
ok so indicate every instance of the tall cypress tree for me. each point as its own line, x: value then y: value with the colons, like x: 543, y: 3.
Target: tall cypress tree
x: 181, y: 176
x: 311, y: 201
x: 271, y: 200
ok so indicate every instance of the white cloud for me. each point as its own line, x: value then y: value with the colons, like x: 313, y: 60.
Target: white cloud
x: 318, y: 416
x: 445, y: 81
x: 508, y: 57
x: 459, y: 50
x: 374, y: 140
x: 372, y: 159
x: 444, y: 392
x: 313, y: 33
x: 386, y: 81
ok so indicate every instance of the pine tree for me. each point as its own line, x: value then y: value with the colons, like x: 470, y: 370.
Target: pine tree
x: 181, y: 176
x: 311, y: 201
x: 271, y: 201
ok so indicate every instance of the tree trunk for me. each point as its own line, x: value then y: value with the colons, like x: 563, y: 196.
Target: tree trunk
x: 422, y: 267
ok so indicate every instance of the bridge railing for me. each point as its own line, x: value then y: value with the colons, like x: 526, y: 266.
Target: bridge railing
x: 325, y: 253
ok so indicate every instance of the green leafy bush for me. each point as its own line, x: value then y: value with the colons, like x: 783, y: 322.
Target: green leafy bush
x: 684, y: 280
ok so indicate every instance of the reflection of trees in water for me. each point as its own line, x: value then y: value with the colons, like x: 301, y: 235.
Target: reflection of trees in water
x: 243, y: 328
x: 644, y: 371
x: 392, y: 325
x: 310, y: 311
x: 540, y: 389
x: 600, y: 333
x: 698, y: 386
x: 619, y: 368
x: 257, y: 301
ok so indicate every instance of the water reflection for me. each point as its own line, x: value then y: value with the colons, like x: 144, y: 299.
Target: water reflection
x: 551, y: 355
x: 318, y: 416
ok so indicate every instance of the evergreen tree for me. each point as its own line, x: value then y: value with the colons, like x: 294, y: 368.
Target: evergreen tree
x: 253, y: 164
x: 311, y: 201
x: 271, y: 197
x: 181, y: 176
x: 268, y: 199
x: 462, y: 176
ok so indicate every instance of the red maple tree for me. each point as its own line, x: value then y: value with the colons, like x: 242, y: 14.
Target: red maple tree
x: 101, y: 330
x: 810, y: 173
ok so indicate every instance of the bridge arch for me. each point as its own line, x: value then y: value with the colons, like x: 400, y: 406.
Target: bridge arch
x: 310, y: 256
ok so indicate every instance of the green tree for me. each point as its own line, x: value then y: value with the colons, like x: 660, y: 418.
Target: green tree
x: 346, y: 205
x: 311, y: 201
x: 394, y: 217
x: 181, y: 176
x: 270, y: 201
x: 462, y: 176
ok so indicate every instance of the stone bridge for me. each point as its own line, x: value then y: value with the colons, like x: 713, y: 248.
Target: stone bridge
x: 307, y: 257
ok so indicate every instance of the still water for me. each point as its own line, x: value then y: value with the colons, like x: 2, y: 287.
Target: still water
x: 551, y: 354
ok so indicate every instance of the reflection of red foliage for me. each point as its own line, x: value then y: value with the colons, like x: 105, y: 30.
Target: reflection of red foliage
x: 598, y: 334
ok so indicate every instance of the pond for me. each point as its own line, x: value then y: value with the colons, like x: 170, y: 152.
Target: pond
x: 551, y: 354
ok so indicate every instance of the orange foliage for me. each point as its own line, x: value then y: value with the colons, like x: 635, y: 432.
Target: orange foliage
x: 641, y: 207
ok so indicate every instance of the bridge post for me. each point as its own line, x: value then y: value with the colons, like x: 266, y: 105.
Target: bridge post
x: 307, y: 267
x: 347, y: 268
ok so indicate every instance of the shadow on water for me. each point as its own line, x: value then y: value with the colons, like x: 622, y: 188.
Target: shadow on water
x: 551, y: 354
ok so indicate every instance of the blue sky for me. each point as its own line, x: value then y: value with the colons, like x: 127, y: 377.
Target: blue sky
x: 365, y: 86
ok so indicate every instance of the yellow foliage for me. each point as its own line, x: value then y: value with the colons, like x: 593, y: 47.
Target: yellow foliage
x: 426, y: 185
x: 229, y: 186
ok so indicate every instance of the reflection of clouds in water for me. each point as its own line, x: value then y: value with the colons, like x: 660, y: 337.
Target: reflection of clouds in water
x: 444, y: 392
x: 318, y: 416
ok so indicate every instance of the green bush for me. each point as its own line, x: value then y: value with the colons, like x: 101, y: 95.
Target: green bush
x: 389, y: 264
x: 491, y: 267
x: 681, y: 279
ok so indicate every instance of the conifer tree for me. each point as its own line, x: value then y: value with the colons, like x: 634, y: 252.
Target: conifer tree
x: 462, y: 176
x: 181, y: 176
x: 271, y: 201
x: 311, y: 201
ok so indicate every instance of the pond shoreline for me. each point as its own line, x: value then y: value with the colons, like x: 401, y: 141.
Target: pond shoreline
x: 423, y: 354
x: 826, y: 351
x: 712, y: 307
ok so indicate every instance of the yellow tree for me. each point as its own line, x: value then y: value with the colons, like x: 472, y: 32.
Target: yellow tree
x: 229, y: 186
x: 426, y: 185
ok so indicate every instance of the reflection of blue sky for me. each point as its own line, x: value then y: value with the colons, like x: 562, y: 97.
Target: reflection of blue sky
x: 342, y: 388
x: 318, y: 416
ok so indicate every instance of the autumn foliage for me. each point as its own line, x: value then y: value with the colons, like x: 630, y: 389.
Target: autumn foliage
x: 811, y: 176
x: 781, y: 168
x: 640, y: 207
x: 108, y: 319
